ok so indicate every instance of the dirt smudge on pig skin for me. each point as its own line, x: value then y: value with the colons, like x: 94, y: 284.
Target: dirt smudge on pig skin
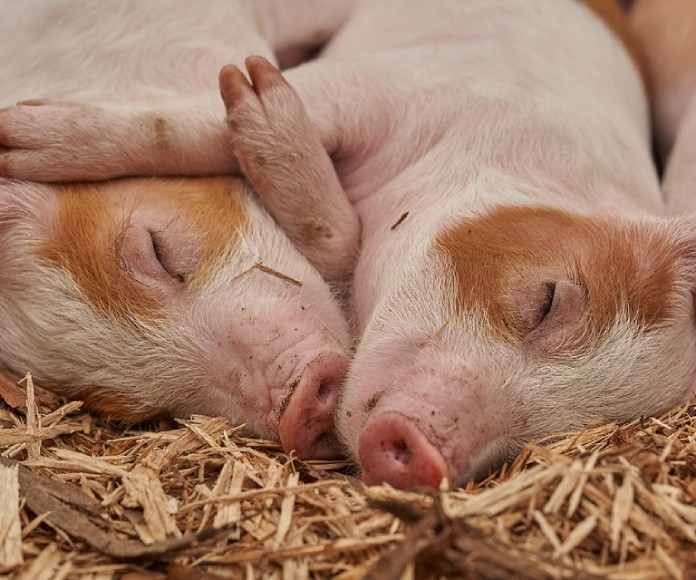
x: 286, y: 400
x: 312, y: 230
x: 372, y: 402
x: 159, y: 133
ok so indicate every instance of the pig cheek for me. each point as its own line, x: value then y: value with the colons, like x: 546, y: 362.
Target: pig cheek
x: 258, y: 350
x: 224, y: 361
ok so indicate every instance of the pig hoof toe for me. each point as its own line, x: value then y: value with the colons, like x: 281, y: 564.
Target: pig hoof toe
x: 393, y: 450
x: 307, y: 423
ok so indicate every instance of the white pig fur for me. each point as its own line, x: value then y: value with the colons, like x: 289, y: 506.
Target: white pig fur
x: 515, y: 278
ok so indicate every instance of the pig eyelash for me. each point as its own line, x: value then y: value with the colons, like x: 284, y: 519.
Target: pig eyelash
x: 158, y: 248
x: 548, y: 303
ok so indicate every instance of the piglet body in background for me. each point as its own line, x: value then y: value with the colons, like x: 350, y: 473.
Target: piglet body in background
x: 666, y: 31
x: 514, y: 279
x: 149, y: 296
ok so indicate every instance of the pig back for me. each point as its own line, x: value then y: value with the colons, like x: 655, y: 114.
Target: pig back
x: 121, y: 51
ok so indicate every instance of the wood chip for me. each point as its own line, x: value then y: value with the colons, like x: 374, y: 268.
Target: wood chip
x: 143, y: 488
x: 10, y: 525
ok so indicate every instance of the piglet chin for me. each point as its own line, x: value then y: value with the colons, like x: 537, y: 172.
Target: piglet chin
x: 392, y: 449
x: 307, y: 415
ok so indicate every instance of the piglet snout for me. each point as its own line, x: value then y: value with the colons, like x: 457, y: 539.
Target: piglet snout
x: 307, y: 416
x: 392, y: 449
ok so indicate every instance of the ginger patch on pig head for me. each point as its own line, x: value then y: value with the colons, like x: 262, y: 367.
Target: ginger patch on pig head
x: 84, y: 243
x: 92, y: 221
x: 549, y: 277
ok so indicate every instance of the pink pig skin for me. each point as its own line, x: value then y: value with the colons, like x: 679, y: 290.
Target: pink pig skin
x: 148, y: 296
x: 666, y: 32
x: 515, y: 278
x: 555, y: 131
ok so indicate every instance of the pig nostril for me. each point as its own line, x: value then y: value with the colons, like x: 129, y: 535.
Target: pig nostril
x: 400, y: 450
x: 324, y: 391
x: 392, y: 448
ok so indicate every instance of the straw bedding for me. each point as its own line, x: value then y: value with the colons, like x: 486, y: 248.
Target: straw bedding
x: 81, y: 497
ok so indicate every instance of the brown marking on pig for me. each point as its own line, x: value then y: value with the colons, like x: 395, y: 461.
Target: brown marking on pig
x: 313, y: 230
x: 88, y: 228
x: 159, y: 133
x: 510, y: 248
x: 212, y: 206
x: 85, y: 244
x: 116, y: 404
x: 615, y: 18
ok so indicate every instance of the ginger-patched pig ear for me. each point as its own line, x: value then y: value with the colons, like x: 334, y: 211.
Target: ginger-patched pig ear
x: 281, y: 154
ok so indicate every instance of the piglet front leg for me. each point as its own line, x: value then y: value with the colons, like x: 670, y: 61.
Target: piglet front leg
x: 56, y: 140
x: 281, y: 154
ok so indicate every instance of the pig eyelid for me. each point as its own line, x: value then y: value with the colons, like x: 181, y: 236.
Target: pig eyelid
x: 545, y: 307
x: 550, y: 301
x: 160, y: 253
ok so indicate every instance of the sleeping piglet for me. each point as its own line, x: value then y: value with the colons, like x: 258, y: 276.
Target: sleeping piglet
x: 515, y: 278
x: 168, y: 295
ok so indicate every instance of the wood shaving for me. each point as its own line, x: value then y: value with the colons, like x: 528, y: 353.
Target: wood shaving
x: 83, y: 497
